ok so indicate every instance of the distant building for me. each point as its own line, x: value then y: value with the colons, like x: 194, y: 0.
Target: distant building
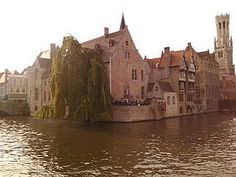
x: 209, y: 82
x: 124, y: 66
x: 38, y: 80
x: 13, y: 85
x: 228, y: 88
x: 224, y: 47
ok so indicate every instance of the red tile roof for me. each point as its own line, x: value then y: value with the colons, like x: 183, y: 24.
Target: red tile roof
x: 154, y: 62
x: 171, y: 59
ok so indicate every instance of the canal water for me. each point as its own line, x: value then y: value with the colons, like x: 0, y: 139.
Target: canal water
x: 202, y: 145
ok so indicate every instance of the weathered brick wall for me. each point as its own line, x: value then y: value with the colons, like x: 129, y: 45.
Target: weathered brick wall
x: 121, y: 70
x: 133, y: 113
x: 14, y: 108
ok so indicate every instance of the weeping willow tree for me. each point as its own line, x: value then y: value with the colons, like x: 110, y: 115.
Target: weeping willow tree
x: 78, y: 83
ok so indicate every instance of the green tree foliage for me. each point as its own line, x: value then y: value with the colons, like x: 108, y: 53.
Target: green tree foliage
x: 79, y: 84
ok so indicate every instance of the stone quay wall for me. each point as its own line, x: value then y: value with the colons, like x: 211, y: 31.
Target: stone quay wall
x: 134, y: 113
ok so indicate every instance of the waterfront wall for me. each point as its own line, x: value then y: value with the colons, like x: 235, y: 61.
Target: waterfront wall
x: 134, y: 113
x: 14, y: 108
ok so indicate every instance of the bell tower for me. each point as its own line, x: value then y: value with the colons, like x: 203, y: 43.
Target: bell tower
x: 224, y: 46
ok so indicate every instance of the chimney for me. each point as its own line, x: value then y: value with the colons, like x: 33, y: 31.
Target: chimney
x: 189, y: 44
x: 106, y: 31
x: 52, y: 50
x: 167, y: 49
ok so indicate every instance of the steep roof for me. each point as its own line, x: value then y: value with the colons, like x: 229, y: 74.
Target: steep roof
x: 207, y: 55
x: 45, y: 54
x: 14, y: 72
x: 106, y: 43
x: 166, y: 87
x: 153, y: 62
x: 45, y: 63
x: 25, y: 70
x: 171, y: 59
x: 122, y: 24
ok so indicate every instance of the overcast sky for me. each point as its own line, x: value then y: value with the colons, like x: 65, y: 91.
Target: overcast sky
x: 29, y: 26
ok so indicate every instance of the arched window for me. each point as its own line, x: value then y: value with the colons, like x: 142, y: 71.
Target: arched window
x: 220, y: 25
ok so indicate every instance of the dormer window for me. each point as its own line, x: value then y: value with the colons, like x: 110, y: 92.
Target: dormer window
x: 111, y: 43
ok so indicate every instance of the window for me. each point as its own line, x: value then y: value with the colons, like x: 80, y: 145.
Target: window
x: 190, y: 86
x: 142, y: 74
x: 106, y: 70
x: 36, y: 73
x: 220, y: 25
x: 126, y: 55
x: 36, y: 93
x: 126, y: 91
x: 44, y: 96
x: 156, y: 88
x: 111, y: 43
x: 142, y: 92
x: 198, y: 95
x: 168, y: 100
x: 224, y: 24
x: 126, y: 43
x: 182, y: 74
x: 182, y: 85
x: 17, y: 90
x: 23, y: 90
x: 36, y: 108
x: 189, y: 97
x: 220, y: 54
x: 134, y: 74
x: 181, y: 97
x: 181, y: 110
x: 173, y: 99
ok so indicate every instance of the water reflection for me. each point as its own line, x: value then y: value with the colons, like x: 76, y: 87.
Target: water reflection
x: 197, y: 145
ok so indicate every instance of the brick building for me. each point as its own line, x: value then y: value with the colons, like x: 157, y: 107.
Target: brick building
x: 38, y: 80
x: 209, y: 82
x: 125, y: 67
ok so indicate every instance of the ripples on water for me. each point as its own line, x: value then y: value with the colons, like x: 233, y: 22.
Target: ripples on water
x: 191, y: 146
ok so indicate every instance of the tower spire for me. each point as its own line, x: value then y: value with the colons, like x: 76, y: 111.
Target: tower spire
x: 122, y: 24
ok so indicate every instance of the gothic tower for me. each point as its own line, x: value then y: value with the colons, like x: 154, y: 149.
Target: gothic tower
x: 224, y: 46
